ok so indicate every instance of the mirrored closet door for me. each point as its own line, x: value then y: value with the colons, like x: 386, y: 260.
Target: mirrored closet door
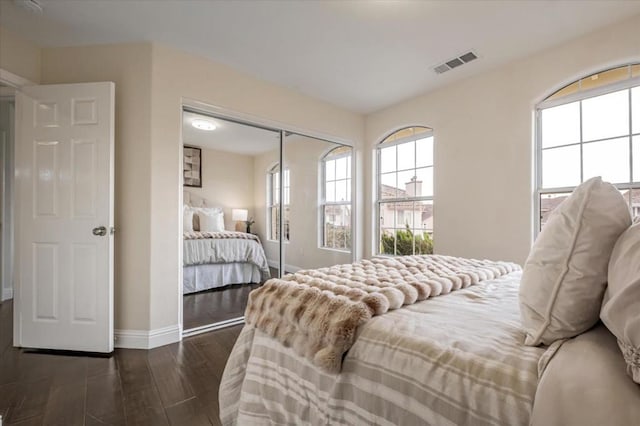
x: 227, y: 249
x: 259, y: 203
x: 317, y: 195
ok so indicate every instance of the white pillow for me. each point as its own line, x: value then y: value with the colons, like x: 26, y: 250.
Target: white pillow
x: 187, y: 219
x: 564, y: 278
x: 206, y: 210
x: 621, y: 307
x: 211, y: 221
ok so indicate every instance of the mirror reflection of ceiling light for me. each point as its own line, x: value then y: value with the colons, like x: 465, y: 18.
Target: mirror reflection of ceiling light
x: 31, y: 6
x: 203, y: 125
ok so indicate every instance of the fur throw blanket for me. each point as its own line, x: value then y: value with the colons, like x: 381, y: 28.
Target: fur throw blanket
x: 318, y: 311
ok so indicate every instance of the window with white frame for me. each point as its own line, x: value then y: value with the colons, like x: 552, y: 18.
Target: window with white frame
x: 405, y: 192
x: 336, y: 199
x: 589, y: 128
x: 273, y: 202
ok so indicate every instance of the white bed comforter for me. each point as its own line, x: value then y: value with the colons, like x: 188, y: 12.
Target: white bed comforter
x: 456, y: 359
x: 203, y: 251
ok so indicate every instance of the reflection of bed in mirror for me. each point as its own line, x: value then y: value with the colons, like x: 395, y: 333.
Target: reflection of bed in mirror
x: 214, y: 257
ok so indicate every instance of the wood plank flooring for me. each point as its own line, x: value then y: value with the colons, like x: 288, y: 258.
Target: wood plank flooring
x: 171, y: 385
x: 224, y: 303
x: 208, y: 307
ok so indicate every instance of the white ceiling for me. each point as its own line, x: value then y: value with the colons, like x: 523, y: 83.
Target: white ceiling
x: 229, y: 136
x: 361, y: 55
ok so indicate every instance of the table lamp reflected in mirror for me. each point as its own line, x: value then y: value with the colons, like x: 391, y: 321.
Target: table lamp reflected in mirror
x: 241, y: 216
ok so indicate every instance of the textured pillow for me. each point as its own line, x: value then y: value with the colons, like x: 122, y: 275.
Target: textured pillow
x: 211, y: 221
x: 187, y: 219
x: 621, y: 308
x: 565, y: 276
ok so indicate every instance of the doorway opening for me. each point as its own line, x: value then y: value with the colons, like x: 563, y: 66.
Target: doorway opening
x: 7, y: 136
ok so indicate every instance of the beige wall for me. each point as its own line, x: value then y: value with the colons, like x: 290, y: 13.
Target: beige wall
x: 19, y: 56
x: 177, y: 75
x: 483, y: 130
x: 227, y: 182
x: 129, y: 66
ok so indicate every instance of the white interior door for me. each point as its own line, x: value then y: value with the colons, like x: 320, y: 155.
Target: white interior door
x: 64, y: 158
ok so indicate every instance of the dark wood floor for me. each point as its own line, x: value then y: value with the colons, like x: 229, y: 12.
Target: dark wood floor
x: 208, y: 307
x: 172, y: 385
x: 225, y: 303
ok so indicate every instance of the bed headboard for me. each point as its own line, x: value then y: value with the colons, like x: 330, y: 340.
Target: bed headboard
x: 190, y: 199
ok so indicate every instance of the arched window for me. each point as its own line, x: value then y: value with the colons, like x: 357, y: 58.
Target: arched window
x: 589, y: 128
x: 336, y: 199
x: 273, y: 202
x: 405, y: 192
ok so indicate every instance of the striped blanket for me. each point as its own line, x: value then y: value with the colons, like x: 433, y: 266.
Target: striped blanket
x: 319, y: 311
x: 454, y: 360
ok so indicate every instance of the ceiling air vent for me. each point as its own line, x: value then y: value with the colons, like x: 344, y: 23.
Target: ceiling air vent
x: 468, y: 57
x: 441, y: 68
x: 455, y: 62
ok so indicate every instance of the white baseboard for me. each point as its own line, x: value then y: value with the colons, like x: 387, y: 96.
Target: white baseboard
x: 142, y: 339
x: 288, y: 268
x: 7, y: 293
x: 291, y: 268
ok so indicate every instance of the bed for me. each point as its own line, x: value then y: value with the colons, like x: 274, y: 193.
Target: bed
x: 440, y: 340
x: 218, y: 258
x: 455, y: 359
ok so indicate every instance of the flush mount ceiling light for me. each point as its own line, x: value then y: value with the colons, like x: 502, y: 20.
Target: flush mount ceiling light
x: 31, y: 6
x: 203, y: 124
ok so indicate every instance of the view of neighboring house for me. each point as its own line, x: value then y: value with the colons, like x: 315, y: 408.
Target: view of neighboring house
x: 549, y: 202
x: 415, y: 214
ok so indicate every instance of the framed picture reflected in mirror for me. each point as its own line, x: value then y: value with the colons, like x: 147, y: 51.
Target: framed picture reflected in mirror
x: 192, y: 166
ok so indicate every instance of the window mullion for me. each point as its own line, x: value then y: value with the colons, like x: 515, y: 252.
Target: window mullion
x: 581, y: 145
x: 631, y: 177
x: 395, y: 230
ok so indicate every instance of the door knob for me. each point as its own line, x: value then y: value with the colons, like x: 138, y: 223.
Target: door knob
x: 100, y: 231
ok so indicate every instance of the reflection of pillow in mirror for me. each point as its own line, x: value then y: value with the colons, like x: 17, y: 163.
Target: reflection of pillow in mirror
x: 207, y: 210
x: 187, y: 219
x: 211, y: 221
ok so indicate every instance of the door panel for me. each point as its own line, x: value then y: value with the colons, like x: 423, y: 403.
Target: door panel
x: 45, y: 191
x: 84, y: 259
x: 64, y: 182
x: 46, y: 274
x: 85, y: 191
